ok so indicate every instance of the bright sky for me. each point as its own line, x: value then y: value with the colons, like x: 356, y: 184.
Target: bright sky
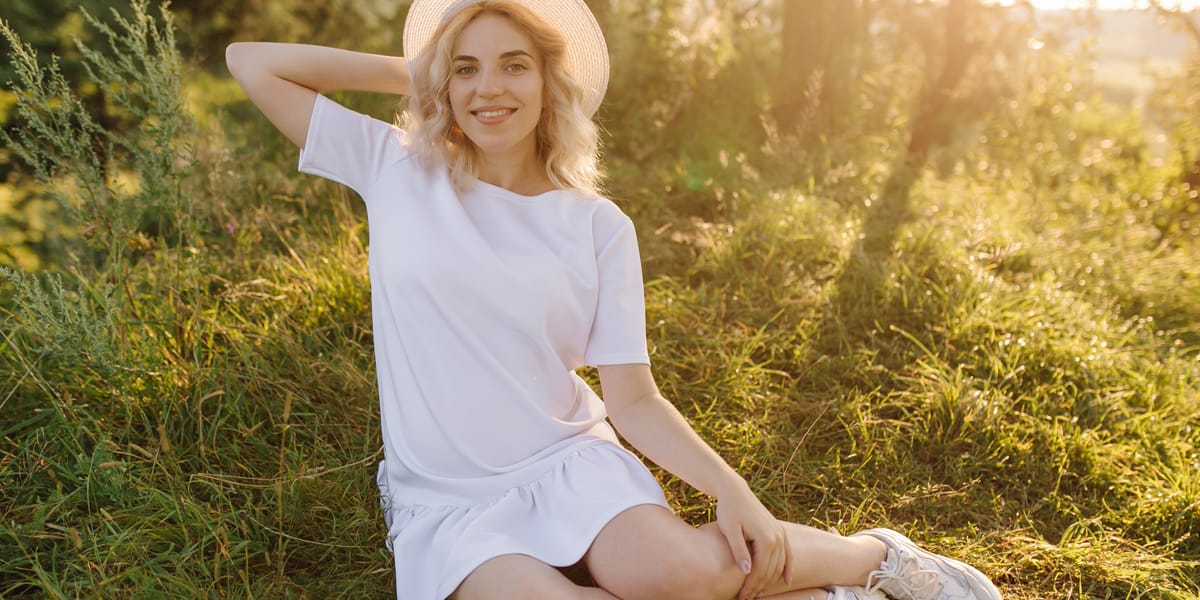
x: 1108, y: 4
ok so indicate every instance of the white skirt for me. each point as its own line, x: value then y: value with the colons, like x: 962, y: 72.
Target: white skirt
x: 553, y: 518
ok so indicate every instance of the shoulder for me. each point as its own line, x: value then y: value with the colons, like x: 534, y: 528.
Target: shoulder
x: 604, y: 216
x: 603, y: 212
x: 609, y: 224
x: 334, y: 115
x: 609, y: 217
x: 349, y: 147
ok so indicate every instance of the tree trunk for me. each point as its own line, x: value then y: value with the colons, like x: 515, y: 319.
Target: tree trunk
x: 929, y: 126
x: 819, y: 49
x: 791, y: 76
x: 800, y: 60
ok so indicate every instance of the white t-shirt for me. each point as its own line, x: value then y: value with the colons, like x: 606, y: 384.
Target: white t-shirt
x: 483, y: 305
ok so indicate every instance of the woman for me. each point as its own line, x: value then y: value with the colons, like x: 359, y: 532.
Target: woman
x: 496, y: 271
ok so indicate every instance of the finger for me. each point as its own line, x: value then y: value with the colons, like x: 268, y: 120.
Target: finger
x: 741, y: 552
x: 761, y: 561
x: 736, y: 538
x: 787, y: 561
x: 769, y: 562
x: 783, y: 553
x: 750, y: 587
x: 778, y: 559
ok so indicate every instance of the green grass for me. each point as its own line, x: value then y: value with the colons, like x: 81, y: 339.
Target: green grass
x: 1017, y: 383
x: 968, y: 390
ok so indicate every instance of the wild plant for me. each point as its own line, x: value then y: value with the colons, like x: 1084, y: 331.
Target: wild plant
x: 120, y: 187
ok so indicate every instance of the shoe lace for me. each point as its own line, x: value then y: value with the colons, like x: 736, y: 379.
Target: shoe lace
x: 904, y: 577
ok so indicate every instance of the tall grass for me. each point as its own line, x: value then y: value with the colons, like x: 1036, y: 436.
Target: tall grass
x: 187, y: 406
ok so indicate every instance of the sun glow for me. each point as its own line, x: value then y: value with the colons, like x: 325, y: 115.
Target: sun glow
x: 1106, y: 4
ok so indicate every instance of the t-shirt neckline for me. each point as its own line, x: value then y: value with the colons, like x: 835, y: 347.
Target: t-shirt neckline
x: 495, y: 190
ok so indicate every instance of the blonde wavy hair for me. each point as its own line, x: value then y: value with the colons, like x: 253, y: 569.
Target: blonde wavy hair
x: 568, y: 142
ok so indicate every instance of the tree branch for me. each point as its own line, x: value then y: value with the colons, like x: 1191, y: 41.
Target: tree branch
x: 1180, y: 17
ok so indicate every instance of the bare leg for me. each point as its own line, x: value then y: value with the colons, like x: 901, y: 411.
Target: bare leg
x: 517, y: 576
x: 647, y: 552
x: 823, y: 558
x: 820, y: 559
x: 817, y: 594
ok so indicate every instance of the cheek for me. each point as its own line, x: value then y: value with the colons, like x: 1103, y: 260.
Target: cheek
x: 457, y: 97
x: 536, y: 92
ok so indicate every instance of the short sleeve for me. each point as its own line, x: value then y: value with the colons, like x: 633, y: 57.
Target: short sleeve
x: 618, y: 334
x: 348, y: 147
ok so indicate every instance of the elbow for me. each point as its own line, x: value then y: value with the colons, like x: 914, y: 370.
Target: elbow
x: 620, y: 407
x: 625, y: 387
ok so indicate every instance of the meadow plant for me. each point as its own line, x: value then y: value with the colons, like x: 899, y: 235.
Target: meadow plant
x: 188, y: 405
x: 121, y: 189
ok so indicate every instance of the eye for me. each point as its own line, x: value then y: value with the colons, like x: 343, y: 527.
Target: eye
x: 517, y: 67
x: 465, y: 70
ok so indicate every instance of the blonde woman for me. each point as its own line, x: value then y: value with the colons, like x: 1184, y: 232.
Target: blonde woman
x: 496, y: 270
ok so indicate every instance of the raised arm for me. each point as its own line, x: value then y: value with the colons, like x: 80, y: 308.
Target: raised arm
x: 282, y: 80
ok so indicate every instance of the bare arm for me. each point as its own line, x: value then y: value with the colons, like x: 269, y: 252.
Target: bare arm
x: 282, y: 80
x: 656, y: 428
x: 659, y: 431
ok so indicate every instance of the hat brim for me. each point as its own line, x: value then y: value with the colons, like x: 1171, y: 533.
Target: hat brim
x: 587, y: 53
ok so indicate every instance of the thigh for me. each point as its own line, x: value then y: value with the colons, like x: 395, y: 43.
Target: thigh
x: 648, y: 552
x: 515, y: 576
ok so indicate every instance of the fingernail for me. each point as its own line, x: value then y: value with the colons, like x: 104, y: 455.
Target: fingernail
x: 745, y: 566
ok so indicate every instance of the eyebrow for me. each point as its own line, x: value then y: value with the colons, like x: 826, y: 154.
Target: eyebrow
x: 509, y: 54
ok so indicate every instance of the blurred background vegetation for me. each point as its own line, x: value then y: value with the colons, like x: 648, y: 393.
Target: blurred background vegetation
x: 700, y: 83
x: 933, y: 264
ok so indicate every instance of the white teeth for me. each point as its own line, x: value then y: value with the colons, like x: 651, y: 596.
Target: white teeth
x: 491, y: 114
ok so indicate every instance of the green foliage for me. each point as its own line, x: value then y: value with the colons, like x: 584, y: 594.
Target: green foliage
x: 72, y: 325
x: 140, y: 72
x: 121, y: 192
x: 187, y: 402
x: 667, y: 53
x: 28, y: 223
x: 962, y: 383
x: 1177, y: 107
x: 207, y: 26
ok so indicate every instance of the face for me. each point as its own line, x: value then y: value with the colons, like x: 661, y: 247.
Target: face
x: 496, y: 86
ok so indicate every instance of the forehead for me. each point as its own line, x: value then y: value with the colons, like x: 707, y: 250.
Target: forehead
x: 490, y: 35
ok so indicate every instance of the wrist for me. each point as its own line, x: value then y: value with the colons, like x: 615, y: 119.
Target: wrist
x: 733, y: 485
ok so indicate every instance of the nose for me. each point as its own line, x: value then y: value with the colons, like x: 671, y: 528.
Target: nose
x: 488, y: 84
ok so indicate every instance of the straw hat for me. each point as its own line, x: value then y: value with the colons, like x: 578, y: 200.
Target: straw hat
x: 587, y: 54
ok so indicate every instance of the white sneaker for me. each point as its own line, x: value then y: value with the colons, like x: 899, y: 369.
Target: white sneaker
x: 910, y: 572
x: 854, y: 592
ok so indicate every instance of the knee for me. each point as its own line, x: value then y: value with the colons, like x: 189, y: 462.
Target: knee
x: 700, y: 573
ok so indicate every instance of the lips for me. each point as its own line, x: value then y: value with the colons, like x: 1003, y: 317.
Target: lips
x: 491, y: 115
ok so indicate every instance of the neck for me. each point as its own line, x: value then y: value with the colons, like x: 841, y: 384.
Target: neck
x: 517, y: 172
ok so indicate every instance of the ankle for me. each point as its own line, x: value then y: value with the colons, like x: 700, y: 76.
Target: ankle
x: 873, y: 553
x: 872, y: 548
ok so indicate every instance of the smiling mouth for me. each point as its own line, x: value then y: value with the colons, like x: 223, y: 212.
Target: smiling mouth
x: 492, y: 114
